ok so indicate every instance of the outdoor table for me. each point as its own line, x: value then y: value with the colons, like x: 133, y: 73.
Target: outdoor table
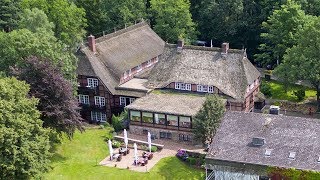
x: 147, y: 155
x: 117, y: 156
x: 124, y: 151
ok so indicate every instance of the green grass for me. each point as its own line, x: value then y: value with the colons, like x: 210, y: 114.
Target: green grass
x: 278, y: 91
x: 78, y: 159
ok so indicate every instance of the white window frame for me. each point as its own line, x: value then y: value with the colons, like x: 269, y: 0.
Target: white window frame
x: 182, y: 86
x: 139, y: 68
x: 98, y: 116
x: 84, y: 99
x: 204, y: 88
x: 149, y: 63
x: 93, y: 82
x: 199, y: 88
x: 157, y: 59
x: 251, y: 86
x: 132, y: 100
x: 210, y: 89
x: 177, y: 85
x: 188, y: 87
x: 100, y: 101
x: 123, y: 101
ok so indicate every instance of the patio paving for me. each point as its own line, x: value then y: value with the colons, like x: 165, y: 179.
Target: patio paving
x: 170, y: 149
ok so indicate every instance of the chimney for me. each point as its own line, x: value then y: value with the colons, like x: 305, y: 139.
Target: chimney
x: 180, y: 44
x: 92, y: 43
x: 224, y: 48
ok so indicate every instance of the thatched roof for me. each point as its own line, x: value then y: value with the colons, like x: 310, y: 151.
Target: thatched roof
x: 230, y: 73
x: 118, y: 52
x: 282, y: 134
x: 177, y: 104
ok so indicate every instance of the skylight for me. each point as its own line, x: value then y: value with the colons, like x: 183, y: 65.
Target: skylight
x: 268, y: 152
x: 319, y: 159
x: 292, y: 155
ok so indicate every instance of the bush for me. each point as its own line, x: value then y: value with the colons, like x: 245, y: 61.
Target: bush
x: 116, y: 144
x: 154, y: 148
x: 300, y: 94
x: 266, y: 89
x: 117, y: 123
x: 192, y: 160
x: 277, y: 103
x: 109, y: 136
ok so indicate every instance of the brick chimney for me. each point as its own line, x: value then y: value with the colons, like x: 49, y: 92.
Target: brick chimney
x: 92, y: 43
x: 224, y: 48
x: 180, y: 44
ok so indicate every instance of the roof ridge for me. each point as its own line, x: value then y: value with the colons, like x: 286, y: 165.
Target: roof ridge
x: 204, y: 48
x: 121, y: 31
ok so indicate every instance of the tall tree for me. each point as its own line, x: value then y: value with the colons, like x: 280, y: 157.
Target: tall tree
x: 24, y: 144
x: 35, y: 20
x: 280, y: 32
x: 19, y: 44
x: 9, y: 14
x: 173, y: 20
x: 105, y: 15
x: 302, y: 60
x: 69, y: 20
x: 56, y: 101
x: 207, y: 120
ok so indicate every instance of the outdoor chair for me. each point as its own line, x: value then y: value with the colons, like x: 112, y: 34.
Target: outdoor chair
x: 119, y: 157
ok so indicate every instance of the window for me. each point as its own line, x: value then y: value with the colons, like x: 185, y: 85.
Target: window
x: 147, y: 117
x: 184, y: 137
x: 132, y: 100
x: 160, y: 119
x: 139, y: 68
x: 210, y: 89
x: 157, y: 59
x: 83, y: 99
x: 204, y: 88
x: 92, y: 82
x: 122, y: 101
x: 185, y: 122
x: 199, y: 88
x: 182, y: 86
x: 149, y: 63
x: 188, y: 87
x: 99, y: 101
x: 167, y: 135
x: 98, y: 116
x: 172, y: 120
x: 177, y: 85
x: 135, y: 116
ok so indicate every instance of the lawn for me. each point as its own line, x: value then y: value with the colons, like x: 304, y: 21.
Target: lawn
x: 278, y: 91
x: 78, y: 159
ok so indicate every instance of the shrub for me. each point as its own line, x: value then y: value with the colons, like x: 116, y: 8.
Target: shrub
x: 300, y: 94
x: 144, y: 147
x: 277, y: 103
x: 154, y: 148
x: 266, y: 89
x: 182, y: 154
x: 116, y: 144
x: 109, y: 136
x: 117, y: 123
x: 192, y: 160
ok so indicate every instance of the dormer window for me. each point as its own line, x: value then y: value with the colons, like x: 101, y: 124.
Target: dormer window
x: 252, y: 86
x: 139, y: 68
x: 149, y: 63
x: 292, y: 155
x: 93, y: 82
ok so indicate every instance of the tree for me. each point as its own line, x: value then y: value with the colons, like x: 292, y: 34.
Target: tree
x: 207, y: 120
x: 22, y: 43
x: 9, y: 14
x: 173, y: 20
x: 302, y: 60
x: 280, y: 32
x: 105, y: 15
x: 35, y: 20
x: 69, y: 20
x: 24, y: 144
x: 57, y: 104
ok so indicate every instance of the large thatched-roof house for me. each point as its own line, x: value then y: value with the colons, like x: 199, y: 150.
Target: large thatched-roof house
x: 246, y: 145
x: 117, y: 68
x: 107, y: 66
